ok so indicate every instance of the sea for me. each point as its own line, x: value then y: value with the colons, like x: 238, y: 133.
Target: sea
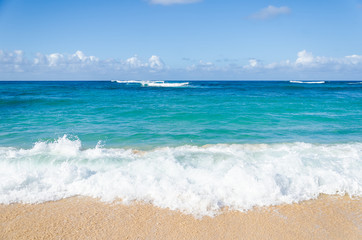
x: 192, y: 146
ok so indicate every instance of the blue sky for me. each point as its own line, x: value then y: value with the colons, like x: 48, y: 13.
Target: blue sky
x: 180, y: 39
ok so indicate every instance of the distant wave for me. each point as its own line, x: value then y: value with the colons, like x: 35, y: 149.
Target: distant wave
x: 193, y: 179
x: 356, y: 83
x: 153, y: 83
x: 318, y: 82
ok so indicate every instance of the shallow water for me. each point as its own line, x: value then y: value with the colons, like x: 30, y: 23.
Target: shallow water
x: 132, y: 115
x: 196, y: 147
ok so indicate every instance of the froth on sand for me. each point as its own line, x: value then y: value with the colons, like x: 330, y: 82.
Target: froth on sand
x: 328, y: 217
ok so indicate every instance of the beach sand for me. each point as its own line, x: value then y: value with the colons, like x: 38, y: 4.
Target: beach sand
x: 328, y: 217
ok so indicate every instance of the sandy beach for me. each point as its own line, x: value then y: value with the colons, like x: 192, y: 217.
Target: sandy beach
x: 328, y: 217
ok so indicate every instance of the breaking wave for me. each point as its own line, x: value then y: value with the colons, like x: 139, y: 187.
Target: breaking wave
x: 199, y: 180
x: 153, y: 83
x: 317, y: 82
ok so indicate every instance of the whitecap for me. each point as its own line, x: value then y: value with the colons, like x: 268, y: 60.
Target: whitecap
x: 193, y: 179
x: 308, y: 82
x: 154, y: 83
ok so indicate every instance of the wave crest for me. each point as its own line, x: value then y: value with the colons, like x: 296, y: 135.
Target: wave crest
x: 309, y: 82
x: 194, y: 179
x: 154, y: 83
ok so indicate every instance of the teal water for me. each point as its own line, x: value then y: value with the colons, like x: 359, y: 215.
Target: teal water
x: 130, y: 115
x: 195, y: 148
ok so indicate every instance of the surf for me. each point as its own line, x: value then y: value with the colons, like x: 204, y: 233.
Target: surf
x: 198, y: 180
x: 308, y: 82
x: 153, y: 83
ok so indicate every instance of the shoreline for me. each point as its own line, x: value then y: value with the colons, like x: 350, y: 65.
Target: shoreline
x: 328, y: 217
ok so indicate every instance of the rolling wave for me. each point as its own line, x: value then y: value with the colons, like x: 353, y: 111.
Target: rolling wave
x: 199, y: 180
x: 317, y: 82
x: 153, y: 83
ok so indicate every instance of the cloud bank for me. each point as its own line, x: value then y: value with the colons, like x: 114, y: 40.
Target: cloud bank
x: 270, y: 12
x: 77, y: 66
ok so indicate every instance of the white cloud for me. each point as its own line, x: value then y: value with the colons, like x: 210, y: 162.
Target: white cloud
x: 64, y: 62
x: 54, y: 59
x: 203, y: 66
x: 15, y: 65
x: 156, y: 63
x: 79, y: 56
x: 11, y: 57
x: 12, y: 61
x: 304, y: 58
x: 306, y: 61
x: 134, y: 62
x: 306, y: 65
x: 170, y: 2
x: 270, y: 12
x: 253, y: 63
x: 77, y: 64
x: 153, y: 64
x: 354, y: 59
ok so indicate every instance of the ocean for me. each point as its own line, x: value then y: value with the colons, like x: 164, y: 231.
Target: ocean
x: 195, y: 146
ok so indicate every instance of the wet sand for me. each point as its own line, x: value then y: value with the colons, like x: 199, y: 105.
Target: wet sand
x: 328, y: 217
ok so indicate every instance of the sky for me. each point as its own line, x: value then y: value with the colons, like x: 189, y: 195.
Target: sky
x: 181, y: 40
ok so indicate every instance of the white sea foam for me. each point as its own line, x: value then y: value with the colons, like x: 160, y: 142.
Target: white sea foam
x: 318, y: 82
x: 196, y: 180
x: 154, y: 83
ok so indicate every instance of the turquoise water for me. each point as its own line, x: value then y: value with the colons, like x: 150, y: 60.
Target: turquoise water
x: 195, y: 147
x: 129, y: 115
